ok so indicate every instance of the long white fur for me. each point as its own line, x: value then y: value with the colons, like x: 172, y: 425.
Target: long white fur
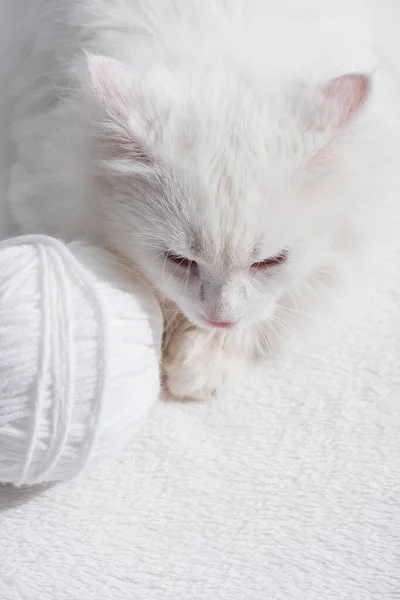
x: 203, y: 128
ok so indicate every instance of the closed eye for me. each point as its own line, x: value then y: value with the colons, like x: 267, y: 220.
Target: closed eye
x: 268, y: 263
x: 181, y: 261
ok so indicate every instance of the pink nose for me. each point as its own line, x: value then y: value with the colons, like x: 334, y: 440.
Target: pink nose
x: 220, y: 324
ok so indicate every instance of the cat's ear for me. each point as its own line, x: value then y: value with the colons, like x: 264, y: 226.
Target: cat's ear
x: 138, y: 104
x: 128, y: 108
x: 337, y: 102
x: 112, y: 85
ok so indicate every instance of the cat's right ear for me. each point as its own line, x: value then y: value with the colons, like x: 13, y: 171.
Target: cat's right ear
x: 127, y: 108
x: 140, y: 103
x: 112, y: 86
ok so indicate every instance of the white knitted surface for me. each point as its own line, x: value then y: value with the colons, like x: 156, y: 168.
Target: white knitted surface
x: 289, y: 490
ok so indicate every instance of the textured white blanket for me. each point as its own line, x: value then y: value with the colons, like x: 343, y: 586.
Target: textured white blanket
x: 288, y: 491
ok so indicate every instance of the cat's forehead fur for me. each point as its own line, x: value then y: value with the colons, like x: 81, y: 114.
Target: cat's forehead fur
x: 230, y: 163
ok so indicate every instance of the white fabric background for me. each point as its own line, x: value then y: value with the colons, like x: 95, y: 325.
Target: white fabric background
x: 290, y: 490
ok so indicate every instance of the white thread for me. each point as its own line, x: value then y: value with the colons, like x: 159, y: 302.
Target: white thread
x: 70, y: 322
x: 42, y: 365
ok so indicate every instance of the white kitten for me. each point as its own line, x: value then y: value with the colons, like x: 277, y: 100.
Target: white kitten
x: 232, y: 150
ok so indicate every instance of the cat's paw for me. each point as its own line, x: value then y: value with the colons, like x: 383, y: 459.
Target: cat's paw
x: 198, y: 366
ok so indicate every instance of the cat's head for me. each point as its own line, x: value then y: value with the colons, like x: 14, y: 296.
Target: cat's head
x: 225, y: 195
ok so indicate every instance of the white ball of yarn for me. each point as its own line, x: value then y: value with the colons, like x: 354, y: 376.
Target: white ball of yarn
x: 79, y: 357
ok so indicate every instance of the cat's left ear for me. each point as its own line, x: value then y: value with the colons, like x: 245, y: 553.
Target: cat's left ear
x: 337, y: 102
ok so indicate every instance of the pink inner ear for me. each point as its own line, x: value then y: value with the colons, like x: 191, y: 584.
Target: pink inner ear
x: 340, y: 100
x: 346, y: 95
x: 111, y: 83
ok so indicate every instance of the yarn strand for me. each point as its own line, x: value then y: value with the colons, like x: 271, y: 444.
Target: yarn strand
x: 43, y: 358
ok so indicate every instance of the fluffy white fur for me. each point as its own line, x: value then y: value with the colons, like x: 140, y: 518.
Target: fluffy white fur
x: 221, y: 131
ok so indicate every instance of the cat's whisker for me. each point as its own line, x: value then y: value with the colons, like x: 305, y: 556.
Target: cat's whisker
x: 283, y: 324
x: 266, y: 341
x: 303, y: 314
x: 185, y: 280
x: 303, y: 289
x: 163, y: 268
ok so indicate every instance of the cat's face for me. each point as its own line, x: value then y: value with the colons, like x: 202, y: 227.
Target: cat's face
x: 223, y: 255
x: 219, y: 201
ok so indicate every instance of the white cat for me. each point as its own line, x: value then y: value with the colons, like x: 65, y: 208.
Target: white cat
x: 234, y: 150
